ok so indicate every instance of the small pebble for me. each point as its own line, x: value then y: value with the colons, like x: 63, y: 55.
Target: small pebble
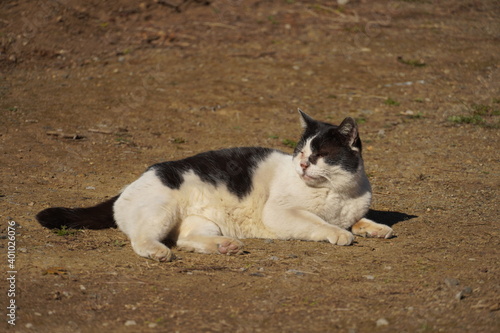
x: 152, y: 325
x: 130, y: 323
x: 382, y: 322
x: 268, y: 241
x: 467, y: 291
x: 29, y: 325
x: 23, y: 249
x: 369, y: 277
x: 274, y: 258
x: 451, y: 282
x: 296, y: 272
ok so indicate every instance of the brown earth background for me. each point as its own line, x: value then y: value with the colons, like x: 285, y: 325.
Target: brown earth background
x: 92, y: 92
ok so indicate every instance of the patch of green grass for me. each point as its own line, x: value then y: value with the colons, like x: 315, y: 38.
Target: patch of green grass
x: 272, y: 19
x: 179, y: 140
x: 308, y: 302
x: 275, y: 137
x: 411, y: 62
x: 361, y: 120
x: 467, y: 119
x: 119, y: 243
x: 418, y: 115
x: 484, y: 110
x: 479, y: 114
x: 392, y: 102
x: 64, y: 231
x: 121, y: 140
x: 289, y: 143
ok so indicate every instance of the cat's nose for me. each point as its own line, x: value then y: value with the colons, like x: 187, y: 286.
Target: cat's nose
x: 305, y: 164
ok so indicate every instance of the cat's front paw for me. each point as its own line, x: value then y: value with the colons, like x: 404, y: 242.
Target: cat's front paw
x: 230, y: 246
x: 162, y: 254
x: 370, y: 229
x: 341, y: 237
x: 153, y: 249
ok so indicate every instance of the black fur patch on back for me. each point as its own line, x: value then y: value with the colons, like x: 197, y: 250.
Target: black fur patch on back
x: 233, y: 167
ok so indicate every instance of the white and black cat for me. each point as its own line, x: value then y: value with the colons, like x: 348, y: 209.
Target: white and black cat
x: 207, y: 202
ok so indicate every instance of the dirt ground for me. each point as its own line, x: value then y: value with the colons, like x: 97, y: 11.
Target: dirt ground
x: 93, y: 92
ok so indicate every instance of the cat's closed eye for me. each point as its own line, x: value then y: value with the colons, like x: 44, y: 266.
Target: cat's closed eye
x: 319, y: 154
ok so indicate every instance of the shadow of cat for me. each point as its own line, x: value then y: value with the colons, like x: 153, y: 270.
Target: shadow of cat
x: 388, y: 218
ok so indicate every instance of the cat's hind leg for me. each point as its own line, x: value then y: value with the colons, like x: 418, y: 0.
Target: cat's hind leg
x: 146, y: 213
x: 198, y: 234
x: 368, y: 228
x: 152, y: 227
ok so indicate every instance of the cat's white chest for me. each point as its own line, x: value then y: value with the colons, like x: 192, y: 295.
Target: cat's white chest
x: 344, y: 212
x: 335, y: 206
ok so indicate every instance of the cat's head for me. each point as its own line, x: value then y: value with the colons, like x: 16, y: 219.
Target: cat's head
x: 327, y: 153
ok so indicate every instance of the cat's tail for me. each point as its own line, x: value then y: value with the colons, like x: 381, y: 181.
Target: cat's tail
x: 97, y: 217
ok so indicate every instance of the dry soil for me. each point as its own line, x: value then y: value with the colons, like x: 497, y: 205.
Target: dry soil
x: 93, y: 92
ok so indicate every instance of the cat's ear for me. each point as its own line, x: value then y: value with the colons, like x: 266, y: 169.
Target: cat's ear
x: 305, y: 120
x: 349, y: 130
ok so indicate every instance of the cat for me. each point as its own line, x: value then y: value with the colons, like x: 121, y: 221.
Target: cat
x: 207, y: 202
